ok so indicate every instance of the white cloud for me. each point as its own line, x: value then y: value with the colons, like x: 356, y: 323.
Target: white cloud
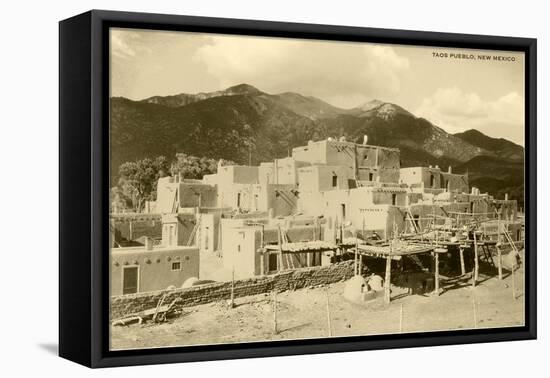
x: 122, y: 43
x: 340, y: 73
x: 456, y: 111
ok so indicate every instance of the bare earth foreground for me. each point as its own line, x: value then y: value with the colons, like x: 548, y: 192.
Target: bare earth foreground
x: 303, y: 314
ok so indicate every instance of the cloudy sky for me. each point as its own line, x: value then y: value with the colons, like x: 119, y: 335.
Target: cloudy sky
x: 455, y: 94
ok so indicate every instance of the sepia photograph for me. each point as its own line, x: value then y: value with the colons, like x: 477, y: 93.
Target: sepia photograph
x: 268, y: 189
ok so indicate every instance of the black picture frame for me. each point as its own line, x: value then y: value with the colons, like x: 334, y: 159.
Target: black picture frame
x: 84, y: 189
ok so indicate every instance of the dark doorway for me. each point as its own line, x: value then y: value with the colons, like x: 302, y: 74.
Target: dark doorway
x: 272, y: 262
x: 130, y: 280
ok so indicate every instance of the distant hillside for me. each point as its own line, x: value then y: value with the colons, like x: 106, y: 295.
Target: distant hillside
x: 380, y: 109
x: 496, y: 176
x: 242, y: 122
x: 306, y: 106
x: 183, y: 99
x: 500, y: 147
x: 228, y: 127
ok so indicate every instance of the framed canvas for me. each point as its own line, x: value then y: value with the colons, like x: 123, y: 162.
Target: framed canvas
x: 235, y: 188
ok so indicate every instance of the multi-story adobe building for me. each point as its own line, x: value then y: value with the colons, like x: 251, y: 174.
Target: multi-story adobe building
x: 336, y: 186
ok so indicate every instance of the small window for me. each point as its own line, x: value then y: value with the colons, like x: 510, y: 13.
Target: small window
x: 394, y: 199
x: 238, y: 247
x: 334, y: 181
x: 371, y: 176
x: 176, y: 265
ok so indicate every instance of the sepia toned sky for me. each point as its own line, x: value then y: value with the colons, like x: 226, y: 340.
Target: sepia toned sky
x: 451, y: 91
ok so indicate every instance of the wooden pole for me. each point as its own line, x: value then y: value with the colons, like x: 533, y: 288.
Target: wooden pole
x: 513, y: 282
x: 275, y: 331
x: 280, y: 247
x: 499, y: 262
x: 387, y: 294
x: 233, y: 287
x: 462, y: 268
x: 355, y: 264
x: 476, y: 258
x: 329, y: 326
x: 436, y: 258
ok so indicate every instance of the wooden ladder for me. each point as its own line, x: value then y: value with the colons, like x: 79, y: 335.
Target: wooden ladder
x: 193, y: 233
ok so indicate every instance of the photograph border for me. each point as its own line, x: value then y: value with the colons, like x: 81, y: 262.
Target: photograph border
x: 84, y: 96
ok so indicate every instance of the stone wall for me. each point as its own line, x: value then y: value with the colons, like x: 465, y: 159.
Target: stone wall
x: 290, y: 280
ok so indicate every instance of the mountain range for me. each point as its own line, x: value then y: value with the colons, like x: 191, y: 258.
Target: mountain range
x: 243, y: 123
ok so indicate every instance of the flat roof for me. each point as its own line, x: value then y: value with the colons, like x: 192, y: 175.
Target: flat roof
x: 349, y: 144
x: 156, y: 248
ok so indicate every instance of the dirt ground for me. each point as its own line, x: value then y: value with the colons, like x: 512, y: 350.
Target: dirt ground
x: 303, y: 314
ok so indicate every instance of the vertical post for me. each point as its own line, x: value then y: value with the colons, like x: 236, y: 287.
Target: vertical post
x: 387, y: 294
x: 329, y: 326
x: 280, y: 247
x: 499, y: 262
x: 360, y: 265
x: 355, y: 263
x: 275, y: 331
x: 476, y: 258
x: 462, y: 268
x: 513, y: 281
x: 498, y: 226
x: 233, y: 287
x: 436, y: 258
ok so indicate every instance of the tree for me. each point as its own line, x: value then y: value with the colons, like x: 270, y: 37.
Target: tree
x: 193, y: 167
x: 138, y: 179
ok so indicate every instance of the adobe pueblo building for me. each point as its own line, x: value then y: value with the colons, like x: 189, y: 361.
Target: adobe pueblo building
x: 329, y: 200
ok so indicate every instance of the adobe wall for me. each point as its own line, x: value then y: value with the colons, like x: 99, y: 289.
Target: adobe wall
x: 132, y: 227
x: 296, y: 279
x: 281, y: 198
x: 155, y: 270
x: 313, y: 153
x: 195, y: 195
